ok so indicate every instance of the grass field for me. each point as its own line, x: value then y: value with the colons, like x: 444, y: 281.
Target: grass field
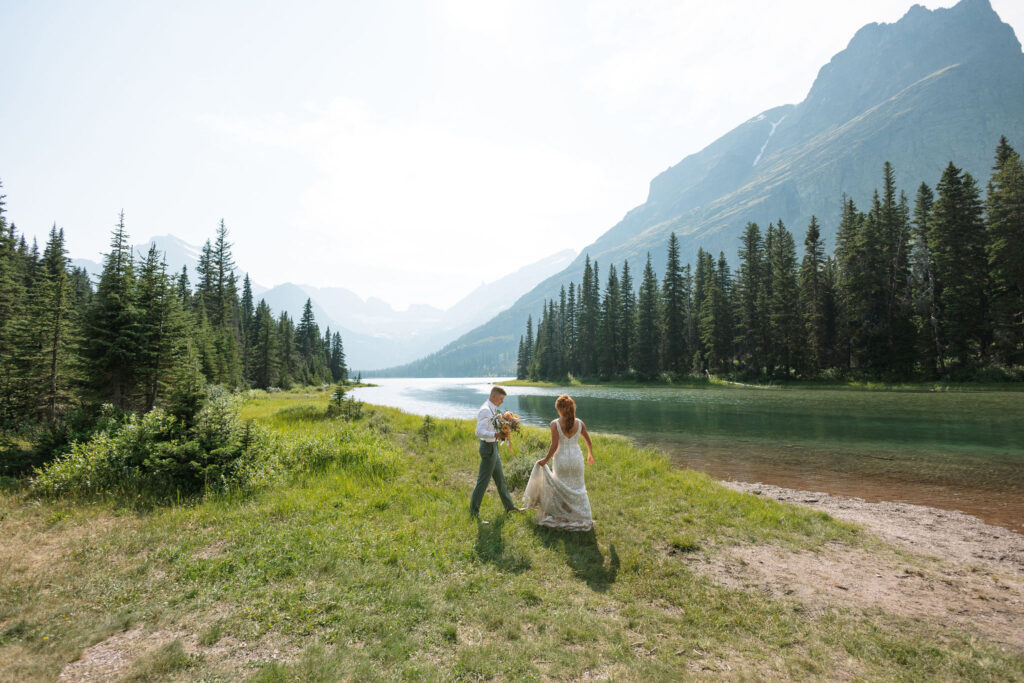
x: 365, y: 564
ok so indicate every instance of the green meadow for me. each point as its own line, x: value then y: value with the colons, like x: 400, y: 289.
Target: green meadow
x: 361, y: 562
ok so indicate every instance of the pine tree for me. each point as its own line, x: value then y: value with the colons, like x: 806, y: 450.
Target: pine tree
x: 700, y: 281
x: 676, y: 353
x: 265, y: 351
x: 893, y: 219
x: 1005, y: 225
x: 647, y: 336
x: 786, y: 324
x: 184, y: 289
x: 339, y: 367
x: 611, y: 312
x: 924, y: 292
x: 627, y: 305
x: 308, y: 346
x: 542, y: 363
x: 111, y: 328
x: 246, y: 314
x: 521, y: 360
x: 849, y: 267
x: 726, y: 327
x: 957, y: 238
x: 750, y: 313
x: 714, y: 349
x: 529, y: 343
x: 55, y: 318
x: 162, y: 330
x: 812, y: 300
x: 224, y: 310
x: 288, y: 363
x: 589, y: 320
x: 12, y: 316
x: 571, y: 348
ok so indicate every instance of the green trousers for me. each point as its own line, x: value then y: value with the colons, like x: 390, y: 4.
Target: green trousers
x: 490, y: 466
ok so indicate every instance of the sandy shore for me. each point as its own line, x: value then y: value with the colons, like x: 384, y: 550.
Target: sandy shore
x: 941, y: 566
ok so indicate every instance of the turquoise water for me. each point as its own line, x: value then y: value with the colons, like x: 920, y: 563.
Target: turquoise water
x: 954, y: 450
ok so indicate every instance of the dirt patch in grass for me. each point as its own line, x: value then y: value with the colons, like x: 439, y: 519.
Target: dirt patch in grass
x: 113, y: 657
x: 108, y: 658
x: 32, y: 545
x: 950, y: 569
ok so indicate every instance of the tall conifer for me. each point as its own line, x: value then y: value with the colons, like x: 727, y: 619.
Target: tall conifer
x: 1005, y: 225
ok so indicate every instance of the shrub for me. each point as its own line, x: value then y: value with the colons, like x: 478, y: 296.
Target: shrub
x: 344, y: 407
x: 42, y: 443
x: 159, y: 454
x: 517, y: 470
x: 426, y: 429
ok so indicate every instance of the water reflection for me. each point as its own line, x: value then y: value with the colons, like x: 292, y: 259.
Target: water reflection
x: 955, y: 450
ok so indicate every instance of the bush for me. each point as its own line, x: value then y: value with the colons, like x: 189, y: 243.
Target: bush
x: 159, y: 454
x: 42, y: 443
x: 426, y: 429
x: 517, y: 470
x: 344, y: 407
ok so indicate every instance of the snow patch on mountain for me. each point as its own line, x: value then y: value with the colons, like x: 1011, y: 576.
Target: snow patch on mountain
x: 770, y: 134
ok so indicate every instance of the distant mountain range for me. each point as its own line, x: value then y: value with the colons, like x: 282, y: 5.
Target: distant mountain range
x: 374, y: 334
x: 934, y: 87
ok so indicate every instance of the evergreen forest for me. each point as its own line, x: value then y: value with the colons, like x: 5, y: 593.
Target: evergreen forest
x: 927, y: 289
x: 77, y: 354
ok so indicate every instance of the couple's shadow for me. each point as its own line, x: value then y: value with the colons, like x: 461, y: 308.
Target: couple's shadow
x: 583, y: 555
x: 581, y: 550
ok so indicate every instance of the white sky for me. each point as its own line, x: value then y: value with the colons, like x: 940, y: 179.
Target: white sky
x: 405, y: 150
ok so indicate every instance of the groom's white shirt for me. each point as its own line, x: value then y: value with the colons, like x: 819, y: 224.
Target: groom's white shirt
x: 484, y: 428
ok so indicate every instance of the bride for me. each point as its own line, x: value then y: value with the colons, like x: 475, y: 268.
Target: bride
x: 561, y: 494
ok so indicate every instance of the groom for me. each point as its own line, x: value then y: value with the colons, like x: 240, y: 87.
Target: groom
x: 490, y: 462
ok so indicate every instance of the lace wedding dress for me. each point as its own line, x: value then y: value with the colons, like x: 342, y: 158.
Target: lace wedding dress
x: 560, y: 492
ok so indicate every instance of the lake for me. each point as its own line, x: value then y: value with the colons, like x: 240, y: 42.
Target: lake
x: 953, y: 450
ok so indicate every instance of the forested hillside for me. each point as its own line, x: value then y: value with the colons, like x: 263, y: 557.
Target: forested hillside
x: 924, y: 289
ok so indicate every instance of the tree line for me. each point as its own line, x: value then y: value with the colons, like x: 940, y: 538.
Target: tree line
x: 929, y: 291
x: 140, y: 337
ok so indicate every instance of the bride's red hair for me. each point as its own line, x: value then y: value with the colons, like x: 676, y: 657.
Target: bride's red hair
x: 566, y: 408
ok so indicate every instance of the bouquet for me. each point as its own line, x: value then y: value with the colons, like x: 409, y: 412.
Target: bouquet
x: 506, y: 423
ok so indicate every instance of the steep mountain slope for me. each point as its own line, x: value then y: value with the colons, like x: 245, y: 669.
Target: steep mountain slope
x: 934, y: 87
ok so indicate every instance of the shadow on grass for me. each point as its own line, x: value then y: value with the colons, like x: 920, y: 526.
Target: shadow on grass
x: 583, y: 554
x: 490, y: 547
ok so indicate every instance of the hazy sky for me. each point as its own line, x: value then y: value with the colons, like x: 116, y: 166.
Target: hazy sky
x: 406, y: 150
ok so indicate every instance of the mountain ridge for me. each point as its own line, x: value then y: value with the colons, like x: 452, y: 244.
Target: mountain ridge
x: 918, y: 92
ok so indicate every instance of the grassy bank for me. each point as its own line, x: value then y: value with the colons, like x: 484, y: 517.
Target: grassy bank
x: 365, y: 564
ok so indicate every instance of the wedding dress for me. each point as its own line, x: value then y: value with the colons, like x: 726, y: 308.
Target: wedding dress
x: 560, y: 492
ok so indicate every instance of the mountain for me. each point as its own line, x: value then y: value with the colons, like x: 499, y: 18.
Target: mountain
x: 934, y: 87
x: 376, y: 335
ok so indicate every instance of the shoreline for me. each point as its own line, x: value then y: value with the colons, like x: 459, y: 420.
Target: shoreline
x: 715, y: 382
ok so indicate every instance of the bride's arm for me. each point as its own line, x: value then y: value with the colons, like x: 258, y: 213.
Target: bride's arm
x: 590, y: 446
x: 552, y: 448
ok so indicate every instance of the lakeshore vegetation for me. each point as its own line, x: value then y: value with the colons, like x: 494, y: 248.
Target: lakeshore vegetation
x: 79, y: 358
x: 929, y: 292
x: 355, y: 558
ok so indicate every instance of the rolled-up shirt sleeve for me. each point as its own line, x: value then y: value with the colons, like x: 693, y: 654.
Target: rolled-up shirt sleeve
x: 484, y: 429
